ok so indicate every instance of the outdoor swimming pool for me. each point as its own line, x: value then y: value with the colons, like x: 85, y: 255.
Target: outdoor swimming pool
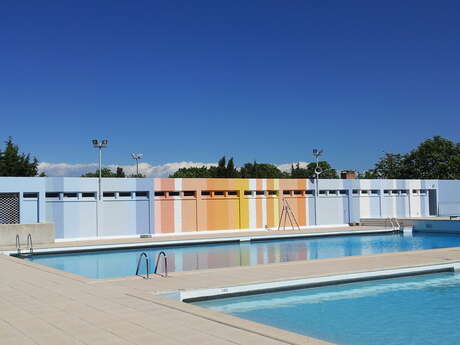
x: 122, y: 263
x: 411, y: 310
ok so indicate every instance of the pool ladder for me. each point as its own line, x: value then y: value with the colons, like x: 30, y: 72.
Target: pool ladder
x: 287, y: 213
x: 147, y: 264
x: 143, y: 254
x: 395, y: 225
x: 29, y: 245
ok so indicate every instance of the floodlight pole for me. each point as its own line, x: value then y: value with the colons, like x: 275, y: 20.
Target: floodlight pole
x: 318, y: 171
x: 100, y: 144
x: 136, y: 157
x: 100, y: 171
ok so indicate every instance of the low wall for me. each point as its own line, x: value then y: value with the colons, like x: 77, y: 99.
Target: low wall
x: 437, y: 225
x: 40, y: 232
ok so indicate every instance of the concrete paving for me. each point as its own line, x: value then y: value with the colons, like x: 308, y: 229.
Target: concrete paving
x: 42, y: 305
x: 192, y: 236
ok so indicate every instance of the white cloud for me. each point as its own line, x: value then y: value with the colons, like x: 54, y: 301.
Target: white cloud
x: 286, y: 167
x: 64, y: 169
x: 163, y: 170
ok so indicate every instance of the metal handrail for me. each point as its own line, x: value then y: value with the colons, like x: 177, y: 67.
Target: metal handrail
x: 165, y: 261
x: 18, y: 244
x: 31, y: 247
x: 397, y: 224
x: 139, y: 264
x: 391, y: 222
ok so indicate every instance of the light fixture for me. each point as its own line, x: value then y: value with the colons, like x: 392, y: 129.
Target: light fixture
x: 100, y: 145
x: 136, y: 157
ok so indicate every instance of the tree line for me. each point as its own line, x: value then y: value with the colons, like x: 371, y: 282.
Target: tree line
x: 106, y: 172
x: 227, y: 169
x: 434, y: 158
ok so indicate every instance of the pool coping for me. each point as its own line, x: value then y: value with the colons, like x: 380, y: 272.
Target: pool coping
x: 171, y: 243
x: 294, y: 284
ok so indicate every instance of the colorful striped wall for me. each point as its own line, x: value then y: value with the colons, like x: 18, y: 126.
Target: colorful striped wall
x: 129, y: 207
x: 184, y: 205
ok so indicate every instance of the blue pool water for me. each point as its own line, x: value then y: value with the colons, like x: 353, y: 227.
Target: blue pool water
x: 401, y: 311
x: 122, y: 263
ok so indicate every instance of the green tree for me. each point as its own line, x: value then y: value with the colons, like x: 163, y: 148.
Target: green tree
x: 224, y: 169
x: 193, y: 172
x: 106, y: 172
x: 434, y: 158
x: 367, y: 174
x: 298, y: 172
x: 231, y: 171
x: 391, y: 166
x: 120, y: 172
x: 309, y: 171
x: 220, y: 171
x: 13, y: 163
x: 137, y: 175
x: 261, y: 170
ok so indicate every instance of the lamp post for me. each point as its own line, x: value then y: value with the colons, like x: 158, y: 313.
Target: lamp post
x: 100, y: 145
x: 136, y: 157
x: 318, y: 171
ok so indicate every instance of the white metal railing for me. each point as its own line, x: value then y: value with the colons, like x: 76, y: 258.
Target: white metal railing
x: 394, y: 223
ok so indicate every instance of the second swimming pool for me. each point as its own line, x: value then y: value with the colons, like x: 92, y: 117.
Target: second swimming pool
x: 123, y: 262
x: 410, y: 310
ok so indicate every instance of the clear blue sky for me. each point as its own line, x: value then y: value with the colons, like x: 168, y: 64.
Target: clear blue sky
x: 260, y: 79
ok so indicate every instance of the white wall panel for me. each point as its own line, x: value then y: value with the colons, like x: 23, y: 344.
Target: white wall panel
x: 73, y: 219
x: 332, y: 210
x: 29, y: 211
x: 125, y: 217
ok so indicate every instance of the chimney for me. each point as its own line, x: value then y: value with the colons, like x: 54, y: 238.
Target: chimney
x: 348, y: 174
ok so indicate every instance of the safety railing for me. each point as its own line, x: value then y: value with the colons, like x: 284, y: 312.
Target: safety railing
x: 143, y: 254
x: 394, y: 223
x: 160, y: 254
x: 18, y: 245
x: 30, y: 244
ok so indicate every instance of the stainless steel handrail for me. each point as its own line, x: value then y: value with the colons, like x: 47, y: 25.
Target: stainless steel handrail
x: 391, y: 222
x: 31, y: 247
x: 165, y: 261
x: 18, y: 244
x: 397, y: 224
x: 139, y: 264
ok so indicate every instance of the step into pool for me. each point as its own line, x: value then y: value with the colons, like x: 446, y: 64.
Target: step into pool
x: 411, y: 310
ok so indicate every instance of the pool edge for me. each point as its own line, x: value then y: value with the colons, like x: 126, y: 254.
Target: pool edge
x: 294, y: 284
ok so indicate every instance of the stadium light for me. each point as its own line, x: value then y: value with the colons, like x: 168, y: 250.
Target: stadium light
x: 136, y: 157
x: 100, y: 145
